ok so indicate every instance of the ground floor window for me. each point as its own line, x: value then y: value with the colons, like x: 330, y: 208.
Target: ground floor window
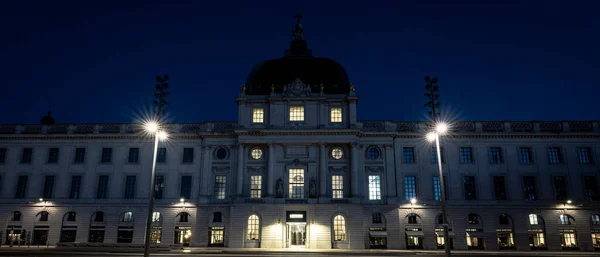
x: 377, y: 238
x: 183, y: 235
x: 13, y: 236
x: 596, y: 240
x: 125, y: 235
x: 440, y: 241
x: 537, y: 240
x: 216, y: 236
x: 505, y: 239
x: 414, y: 239
x: 96, y: 234
x: 68, y: 234
x: 474, y: 241
x: 155, y: 235
x: 568, y: 239
x: 40, y: 235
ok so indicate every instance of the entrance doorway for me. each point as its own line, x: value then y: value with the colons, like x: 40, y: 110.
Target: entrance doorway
x: 296, y: 236
x: 183, y: 236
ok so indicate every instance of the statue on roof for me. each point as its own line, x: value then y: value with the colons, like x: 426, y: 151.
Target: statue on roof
x: 298, y: 31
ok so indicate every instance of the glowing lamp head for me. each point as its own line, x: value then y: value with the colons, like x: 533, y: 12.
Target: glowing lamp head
x: 431, y: 136
x: 182, y: 200
x: 151, y: 126
x: 441, y: 128
x: 569, y: 201
x: 413, y: 200
x: 41, y: 199
x: 162, y: 135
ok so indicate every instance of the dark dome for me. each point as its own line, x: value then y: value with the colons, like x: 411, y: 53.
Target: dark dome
x: 298, y: 62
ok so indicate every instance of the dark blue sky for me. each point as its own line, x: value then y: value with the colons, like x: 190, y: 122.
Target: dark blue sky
x: 96, y: 61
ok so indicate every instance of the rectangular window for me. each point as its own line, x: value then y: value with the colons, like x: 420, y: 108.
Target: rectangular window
x: 161, y: 155
x: 297, y: 113
x: 79, y: 155
x: 336, y: 114
x: 410, y: 187
x: 255, y: 186
x: 529, y: 188
x: 337, y: 187
x: 469, y: 187
x: 584, y: 155
x: 560, y: 188
x: 434, y: 156
x: 525, y: 155
x: 53, y: 155
x: 188, y: 155
x: 258, y: 115
x: 408, y: 155
x: 48, y: 187
x: 466, y: 155
x: 499, y: 188
x: 495, y: 155
x: 21, y: 187
x: 130, y: 187
x: 75, y: 187
x: 437, y: 188
x: 26, y: 155
x: 554, y: 155
x: 159, y: 186
x: 106, y: 155
x: 591, y: 188
x: 2, y: 155
x: 185, y: 191
x: 220, y: 187
x: 296, y: 183
x: 102, y: 192
x: 134, y: 154
x: 374, y: 187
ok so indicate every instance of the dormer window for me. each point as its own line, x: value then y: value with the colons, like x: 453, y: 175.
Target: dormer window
x: 296, y: 113
x: 336, y: 115
x: 258, y: 115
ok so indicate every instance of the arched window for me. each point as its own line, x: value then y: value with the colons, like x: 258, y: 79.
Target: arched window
x: 182, y: 217
x: 412, y: 218
x: 503, y: 219
x: 253, y: 227
x: 596, y: 219
x: 43, y: 216
x: 440, y: 219
x: 339, y: 228
x: 218, y: 217
x: 98, y: 217
x: 16, y: 216
x: 377, y: 219
x: 566, y: 220
x: 70, y: 216
x: 473, y: 219
x: 533, y: 219
x: 156, y: 217
x: 127, y: 217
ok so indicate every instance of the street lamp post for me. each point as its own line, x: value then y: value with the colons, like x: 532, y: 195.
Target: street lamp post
x: 153, y: 128
x: 441, y: 128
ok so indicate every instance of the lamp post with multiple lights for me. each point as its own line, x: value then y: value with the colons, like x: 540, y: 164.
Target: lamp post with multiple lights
x: 441, y: 129
x: 152, y: 128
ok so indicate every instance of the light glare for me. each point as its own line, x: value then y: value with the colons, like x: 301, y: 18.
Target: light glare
x: 162, y: 135
x: 569, y: 201
x: 431, y: 136
x: 441, y: 128
x: 182, y: 200
x: 151, y: 126
x: 413, y: 200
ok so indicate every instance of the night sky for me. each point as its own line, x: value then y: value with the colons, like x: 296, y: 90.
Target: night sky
x: 96, y: 61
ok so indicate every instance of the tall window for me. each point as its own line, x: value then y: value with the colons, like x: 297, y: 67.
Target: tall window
x: 185, y: 191
x: 525, y: 155
x: 499, y: 188
x: 255, y: 186
x: 127, y: 217
x: 495, y: 155
x: 408, y: 155
x: 48, y: 187
x: 554, y: 155
x: 560, y: 188
x: 75, y: 187
x: 437, y: 188
x: 591, y: 188
x: 339, y: 228
x: 566, y: 219
x: 336, y: 114
x: 130, y: 187
x: 43, y: 216
x: 106, y: 155
x: 53, y: 155
x: 374, y: 187
x: 529, y: 188
x: 466, y: 155
x: 26, y: 155
x: 159, y: 186
x: 584, y: 156
x: 220, y: 187
x: 469, y: 186
x: 533, y: 219
x: 337, y: 186
x: 434, y: 156
x: 410, y: 187
x: 21, y: 187
x: 102, y: 192
x: 253, y: 228
x: 296, y: 183
x: 161, y: 155
x: 79, y: 155
x: 412, y: 218
x: 134, y: 155
x: 297, y: 113
x: 2, y: 155
x: 188, y: 155
x: 258, y: 115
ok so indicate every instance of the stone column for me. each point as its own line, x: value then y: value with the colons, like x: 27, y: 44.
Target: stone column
x: 271, y: 171
x: 322, y: 171
x: 206, y: 174
x: 240, y: 171
x: 354, y: 172
x: 388, y: 154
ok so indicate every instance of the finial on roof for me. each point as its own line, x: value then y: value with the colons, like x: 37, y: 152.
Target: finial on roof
x: 298, y: 31
x: 47, y: 120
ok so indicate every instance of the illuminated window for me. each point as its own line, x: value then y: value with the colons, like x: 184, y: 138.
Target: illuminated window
x: 220, y: 187
x: 584, y: 156
x: 495, y: 155
x: 533, y: 219
x: 127, y: 217
x: 337, y: 153
x: 566, y: 220
x: 253, y: 228
x: 568, y: 239
x: 408, y: 154
x: 374, y: 188
x: 339, y: 228
x: 466, y: 155
x: 256, y: 153
x: 336, y: 114
x: 258, y: 115
x: 255, y: 186
x: 554, y: 155
x: 337, y: 186
x: 525, y: 155
x: 296, y: 183
x: 412, y: 218
x: 596, y: 219
x: 297, y: 113
x: 156, y: 216
x: 537, y: 240
x: 410, y: 187
x: 596, y: 240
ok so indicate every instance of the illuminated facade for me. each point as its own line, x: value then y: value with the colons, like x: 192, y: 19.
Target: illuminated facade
x: 297, y: 170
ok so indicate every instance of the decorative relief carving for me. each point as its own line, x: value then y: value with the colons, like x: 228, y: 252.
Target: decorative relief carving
x: 338, y: 169
x: 220, y: 169
x: 374, y: 169
x: 256, y: 169
x: 296, y: 151
x: 296, y: 89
